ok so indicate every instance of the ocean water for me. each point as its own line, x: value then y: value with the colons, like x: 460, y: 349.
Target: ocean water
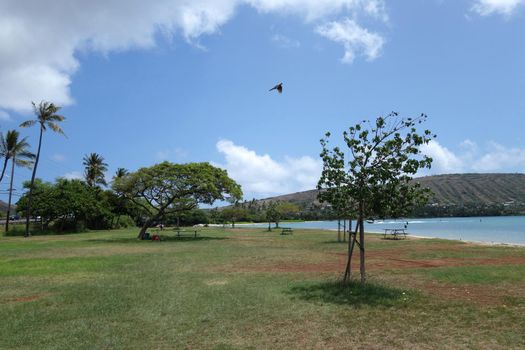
x: 490, y: 229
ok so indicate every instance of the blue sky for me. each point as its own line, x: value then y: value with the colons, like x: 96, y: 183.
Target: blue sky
x: 188, y: 81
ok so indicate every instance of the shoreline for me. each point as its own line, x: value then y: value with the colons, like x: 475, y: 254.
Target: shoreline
x: 484, y: 243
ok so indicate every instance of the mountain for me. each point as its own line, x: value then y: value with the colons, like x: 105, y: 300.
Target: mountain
x: 449, y: 190
x: 3, y: 207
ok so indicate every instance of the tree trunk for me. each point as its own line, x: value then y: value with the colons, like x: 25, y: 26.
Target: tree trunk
x: 338, y: 230
x: 362, y: 242
x: 145, y: 227
x: 269, y: 226
x: 344, y: 230
x: 10, y: 194
x: 30, y: 198
x: 351, y: 245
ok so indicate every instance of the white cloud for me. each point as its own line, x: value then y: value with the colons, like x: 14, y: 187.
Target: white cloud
x: 313, y: 10
x: 261, y: 175
x: 4, y: 116
x: 72, y: 175
x: 494, y: 157
x: 285, y: 42
x: 444, y: 161
x: 58, y: 158
x: 40, y: 40
x: 502, y: 7
x: 500, y: 157
x: 353, y: 37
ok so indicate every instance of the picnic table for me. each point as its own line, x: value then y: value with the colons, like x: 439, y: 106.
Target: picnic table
x: 395, y: 233
x: 286, y: 231
x: 182, y: 233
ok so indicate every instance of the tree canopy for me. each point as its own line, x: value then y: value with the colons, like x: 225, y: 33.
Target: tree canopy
x: 169, y: 188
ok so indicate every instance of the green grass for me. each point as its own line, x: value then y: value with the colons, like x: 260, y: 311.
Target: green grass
x: 250, y: 289
x: 479, y: 274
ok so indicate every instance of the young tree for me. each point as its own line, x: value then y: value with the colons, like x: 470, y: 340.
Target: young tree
x: 18, y: 151
x: 46, y: 117
x: 170, y: 188
x: 94, y: 169
x: 383, y: 157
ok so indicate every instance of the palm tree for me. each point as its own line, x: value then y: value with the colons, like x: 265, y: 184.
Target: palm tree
x: 46, y: 117
x: 94, y: 169
x: 120, y: 173
x: 17, y: 151
x: 3, y: 153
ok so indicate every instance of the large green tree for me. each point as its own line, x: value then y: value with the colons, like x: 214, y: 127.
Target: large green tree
x: 71, y: 205
x: 376, y: 170
x: 168, y: 188
x: 94, y: 169
x: 46, y: 117
x: 17, y: 150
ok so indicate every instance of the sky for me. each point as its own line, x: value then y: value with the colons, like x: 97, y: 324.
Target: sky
x: 141, y: 82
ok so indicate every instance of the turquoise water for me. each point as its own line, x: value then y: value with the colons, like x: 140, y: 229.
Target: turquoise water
x: 493, y: 229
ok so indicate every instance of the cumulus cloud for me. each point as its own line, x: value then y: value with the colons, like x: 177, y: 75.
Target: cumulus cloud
x: 353, y: 37
x: 502, y: 7
x: 494, y: 157
x: 40, y: 40
x: 73, y: 175
x: 261, y: 175
x: 444, y: 160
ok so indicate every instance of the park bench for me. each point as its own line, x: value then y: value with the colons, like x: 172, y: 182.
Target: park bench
x: 395, y: 233
x: 286, y: 231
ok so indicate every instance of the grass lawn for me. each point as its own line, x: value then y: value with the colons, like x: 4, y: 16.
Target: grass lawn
x: 250, y: 289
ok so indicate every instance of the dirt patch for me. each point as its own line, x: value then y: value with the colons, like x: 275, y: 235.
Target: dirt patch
x: 25, y: 299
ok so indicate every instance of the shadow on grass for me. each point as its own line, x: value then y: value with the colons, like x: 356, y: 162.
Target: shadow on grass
x: 334, y: 241
x: 165, y: 239
x: 353, y: 295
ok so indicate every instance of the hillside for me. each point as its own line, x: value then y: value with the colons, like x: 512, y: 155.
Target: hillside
x: 451, y: 189
x: 3, y: 206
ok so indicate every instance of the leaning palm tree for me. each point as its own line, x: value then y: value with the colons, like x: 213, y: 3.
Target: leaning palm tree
x: 94, y: 169
x: 4, y: 154
x: 18, y: 151
x: 46, y: 117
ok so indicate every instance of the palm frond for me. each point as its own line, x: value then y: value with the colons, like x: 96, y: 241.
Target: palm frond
x: 28, y: 123
x: 26, y: 154
x: 24, y: 163
x: 56, y: 118
x: 56, y: 128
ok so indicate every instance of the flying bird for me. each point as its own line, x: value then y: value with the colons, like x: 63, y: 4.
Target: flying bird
x: 278, y: 87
